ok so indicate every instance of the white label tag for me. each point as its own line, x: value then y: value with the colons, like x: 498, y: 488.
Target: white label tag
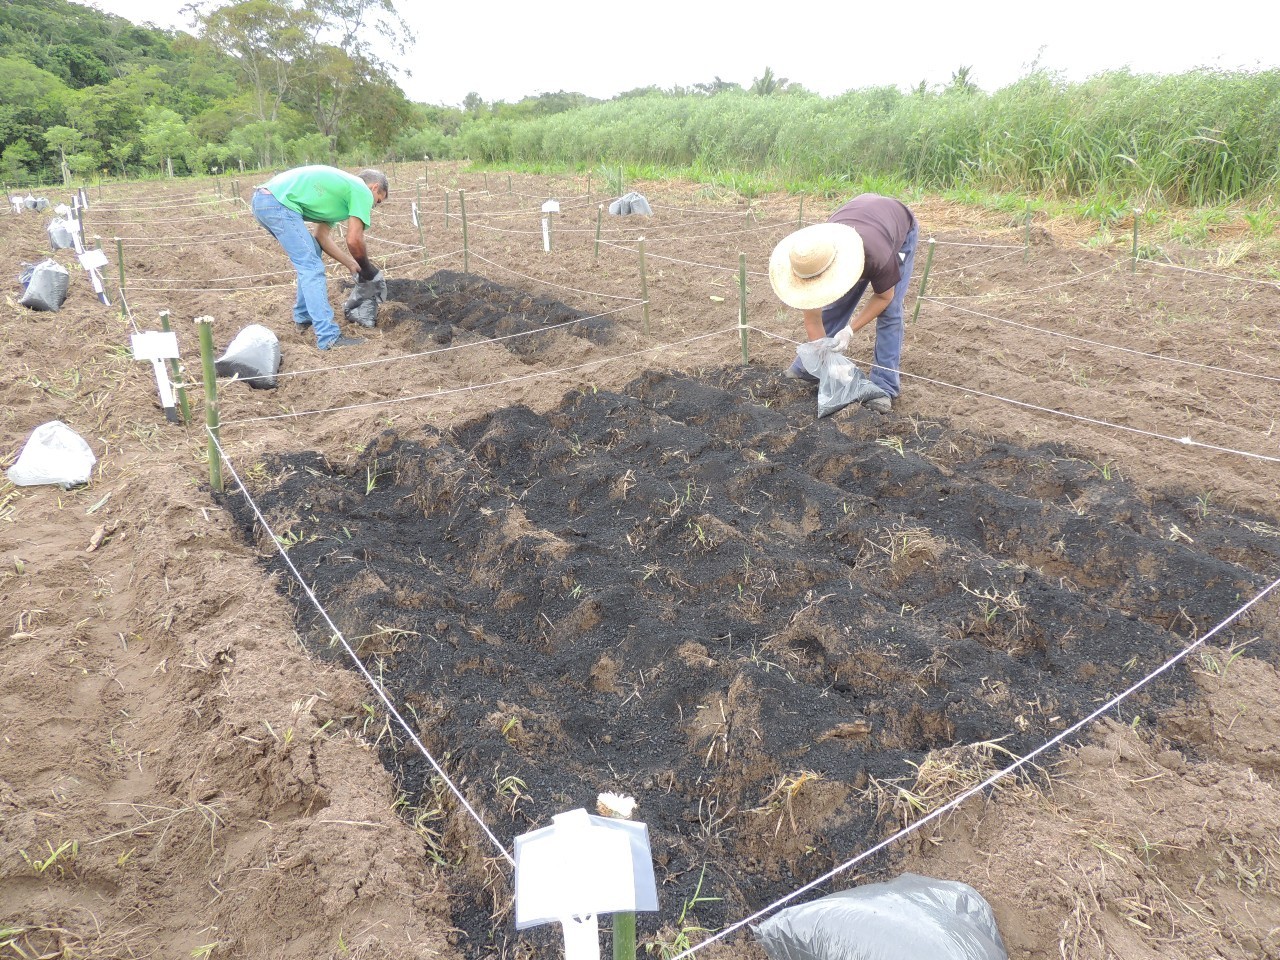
x: 414, y: 206
x: 93, y: 259
x: 155, y: 345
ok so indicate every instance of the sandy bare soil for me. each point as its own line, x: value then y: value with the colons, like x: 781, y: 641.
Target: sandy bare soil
x: 587, y: 549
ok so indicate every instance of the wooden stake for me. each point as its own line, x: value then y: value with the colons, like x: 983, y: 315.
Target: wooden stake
x: 205, y: 326
x: 1026, y: 241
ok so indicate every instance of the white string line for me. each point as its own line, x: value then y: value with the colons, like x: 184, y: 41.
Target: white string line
x: 758, y: 228
x: 991, y: 780
x: 333, y: 272
x: 192, y: 239
x: 128, y: 310
x: 188, y: 201
x: 562, y: 229
x: 970, y: 266
x: 1012, y: 294
x: 1183, y: 441
x: 377, y: 687
x: 457, y: 346
x: 558, y: 286
x: 482, y: 386
x: 984, y: 246
x: 687, y: 263
x: 1205, y: 273
x: 1107, y: 346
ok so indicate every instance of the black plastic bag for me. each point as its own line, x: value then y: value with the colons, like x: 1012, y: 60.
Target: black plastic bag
x: 47, y: 286
x: 909, y: 918
x: 253, y: 356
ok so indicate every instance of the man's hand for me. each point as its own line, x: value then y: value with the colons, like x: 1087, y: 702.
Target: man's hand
x: 840, y: 342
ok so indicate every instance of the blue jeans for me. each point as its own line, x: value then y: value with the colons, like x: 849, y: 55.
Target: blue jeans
x: 312, y: 307
x: 887, y: 359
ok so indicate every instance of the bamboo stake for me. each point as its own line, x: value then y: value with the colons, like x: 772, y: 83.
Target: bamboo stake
x: 1026, y: 240
x: 421, y: 240
x: 120, y: 262
x: 800, y: 217
x: 599, y: 217
x: 644, y: 288
x: 175, y: 374
x: 742, y: 303
x: 205, y: 326
x: 1137, y: 211
x: 924, y: 281
x: 466, y: 252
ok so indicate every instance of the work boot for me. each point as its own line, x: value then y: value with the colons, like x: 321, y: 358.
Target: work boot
x: 879, y: 405
x: 345, y: 341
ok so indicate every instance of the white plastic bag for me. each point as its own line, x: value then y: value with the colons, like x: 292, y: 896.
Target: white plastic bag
x: 840, y: 382
x: 54, y: 454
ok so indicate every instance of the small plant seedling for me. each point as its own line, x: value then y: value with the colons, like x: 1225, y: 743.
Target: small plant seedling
x: 68, y: 847
x: 680, y: 940
x: 893, y: 443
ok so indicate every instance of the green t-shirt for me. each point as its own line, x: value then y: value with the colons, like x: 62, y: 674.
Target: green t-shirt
x: 322, y: 194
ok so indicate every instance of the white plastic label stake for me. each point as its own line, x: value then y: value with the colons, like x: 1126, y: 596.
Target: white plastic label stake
x: 581, y: 938
x: 155, y: 345
x: 551, y: 206
x: 413, y: 205
x: 93, y: 259
x: 97, y: 282
x: 546, y: 234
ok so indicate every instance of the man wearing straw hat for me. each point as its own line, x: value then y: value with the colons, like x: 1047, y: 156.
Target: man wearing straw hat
x: 324, y: 196
x: 824, y: 269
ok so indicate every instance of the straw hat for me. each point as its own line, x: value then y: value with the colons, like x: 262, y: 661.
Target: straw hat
x: 816, y: 265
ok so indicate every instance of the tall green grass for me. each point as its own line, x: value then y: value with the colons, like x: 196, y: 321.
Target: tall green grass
x: 1202, y: 138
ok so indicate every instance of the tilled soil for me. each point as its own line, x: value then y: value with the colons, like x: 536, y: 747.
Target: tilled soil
x: 586, y: 550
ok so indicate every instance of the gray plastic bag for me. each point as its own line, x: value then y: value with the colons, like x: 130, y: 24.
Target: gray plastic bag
x: 54, y: 453
x: 253, y: 356
x: 47, y: 286
x: 909, y: 918
x: 840, y: 382
x: 630, y: 203
x: 60, y: 236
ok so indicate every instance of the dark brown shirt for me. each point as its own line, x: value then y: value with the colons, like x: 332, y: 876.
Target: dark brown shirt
x: 883, y: 223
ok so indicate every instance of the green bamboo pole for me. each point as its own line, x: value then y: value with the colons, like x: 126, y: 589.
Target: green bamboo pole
x: 508, y: 183
x: 466, y: 251
x: 1137, y: 211
x: 621, y: 190
x: 924, y: 281
x: 742, y: 303
x: 120, y: 262
x: 599, y: 217
x: 446, y: 209
x: 175, y: 374
x: 205, y: 326
x: 800, y: 216
x: 218, y: 183
x: 421, y: 240
x: 425, y: 171
x: 588, y: 186
x: 644, y: 288
x: 1026, y: 239
x: 486, y: 181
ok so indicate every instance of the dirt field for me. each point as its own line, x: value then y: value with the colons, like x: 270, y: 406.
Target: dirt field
x: 584, y: 556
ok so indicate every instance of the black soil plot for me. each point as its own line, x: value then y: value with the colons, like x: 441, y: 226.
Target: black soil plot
x: 449, y: 307
x: 757, y: 623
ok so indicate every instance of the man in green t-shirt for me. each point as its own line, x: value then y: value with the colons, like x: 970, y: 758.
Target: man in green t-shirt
x: 323, y: 196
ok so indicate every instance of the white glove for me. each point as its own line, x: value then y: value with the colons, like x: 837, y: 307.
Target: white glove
x: 840, y: 342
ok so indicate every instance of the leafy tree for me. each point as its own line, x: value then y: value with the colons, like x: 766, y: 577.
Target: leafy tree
x: 716, y: 86
x: 164, y: 136
x: 472, y: 104
x: 62, y: 140
x: 768, y: 84
x: 962, y: 81
x: 18, y: 160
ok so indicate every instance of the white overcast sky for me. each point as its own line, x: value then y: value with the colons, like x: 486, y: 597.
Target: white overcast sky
x: 506, y: 50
